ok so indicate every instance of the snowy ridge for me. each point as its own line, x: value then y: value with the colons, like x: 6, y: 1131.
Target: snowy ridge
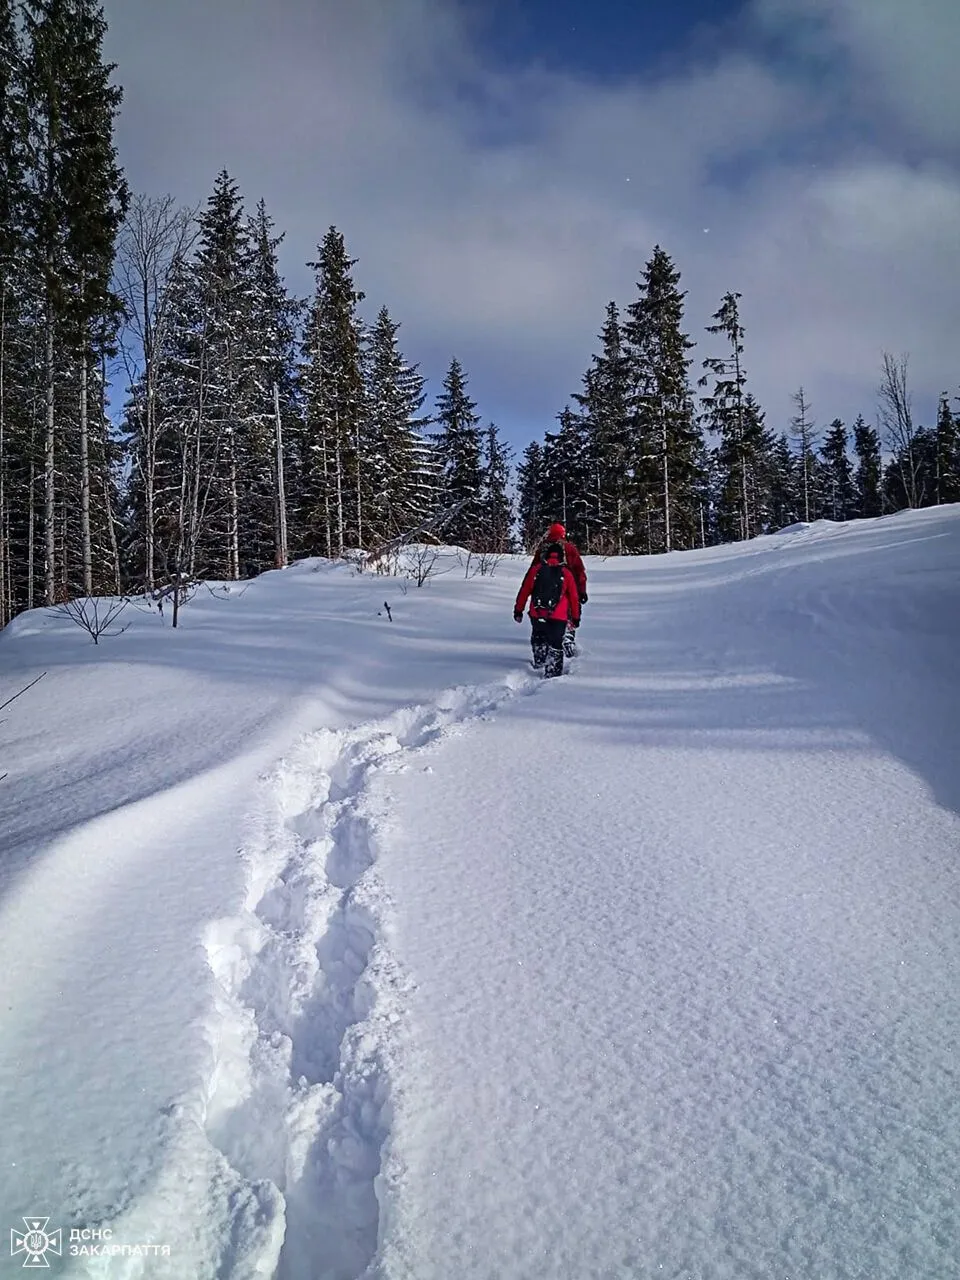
x: 308, y: 1003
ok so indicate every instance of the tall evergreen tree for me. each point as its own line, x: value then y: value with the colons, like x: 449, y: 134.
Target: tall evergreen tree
x: 803, y: 431
x: 395, y: 396
x: 73, y: 213
x: 204, y: 394
x: 564, y: 475
x: 867, y: 478
x: 335, y: 404
x: 666, y: 439
x: 948, y: 454
x: 739, y: 457
x: 271, y: 390
x: 15, y: 500
x: 458, y: 444
x: 531, y: 508
x: 838, y: 476
x: 495, y: 526
x: 97, y: 198
x: 782, y: 485
x: 605, y: 416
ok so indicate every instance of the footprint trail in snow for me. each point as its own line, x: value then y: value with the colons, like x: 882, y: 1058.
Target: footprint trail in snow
x: 308, y: 997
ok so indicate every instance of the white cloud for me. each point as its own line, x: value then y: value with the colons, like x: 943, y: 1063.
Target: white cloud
x: 903, y: 56
x: 493, y: 213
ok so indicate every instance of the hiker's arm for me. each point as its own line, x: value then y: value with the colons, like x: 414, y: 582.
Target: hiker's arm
x: 526, y: 587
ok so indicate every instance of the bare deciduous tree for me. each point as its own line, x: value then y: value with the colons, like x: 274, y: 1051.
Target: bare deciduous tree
x: 157, y: 234
x: 895, y: 417
x: 483, y: 563
x: 95, y: 615
x: 802, y: 430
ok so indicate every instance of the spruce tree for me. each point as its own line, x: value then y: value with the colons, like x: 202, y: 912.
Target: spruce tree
x: 15, y: 462
x: 605, y: 416
x: 838, y: 475
x: 665, y: 438
x: 910, y: 479
x: 564, y: 487
x: 868, y: 478
x: 739, y: 459
x: 97, y: 198
x: 73, y: 211
x: 394, y: 398
x: 271, y: 390
x: 334, y: 403
x: 458, y: 444
x: 205, y: 389
x: 495, y: 526
x: 948, y: 454
x: 803, y: 431
x: 531, y: 508
x: 782, y: 485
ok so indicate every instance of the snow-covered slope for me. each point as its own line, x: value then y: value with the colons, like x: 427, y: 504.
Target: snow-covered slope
x: 336, y: 946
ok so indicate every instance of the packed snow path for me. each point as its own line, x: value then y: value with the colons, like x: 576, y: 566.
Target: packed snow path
x: 651, y: 971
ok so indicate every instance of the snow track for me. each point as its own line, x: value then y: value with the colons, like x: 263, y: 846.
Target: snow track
x: 309, y: 1000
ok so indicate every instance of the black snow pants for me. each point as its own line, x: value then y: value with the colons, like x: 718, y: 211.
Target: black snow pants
x: 546, y: 640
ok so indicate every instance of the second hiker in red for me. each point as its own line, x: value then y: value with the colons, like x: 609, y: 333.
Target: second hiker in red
x: 554, y: 605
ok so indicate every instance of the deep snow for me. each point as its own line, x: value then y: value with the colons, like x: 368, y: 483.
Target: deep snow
x: 334, y: 947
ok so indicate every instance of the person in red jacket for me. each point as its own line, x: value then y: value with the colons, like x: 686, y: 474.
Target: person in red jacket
x: 574, y: 562
x: 554, y: 605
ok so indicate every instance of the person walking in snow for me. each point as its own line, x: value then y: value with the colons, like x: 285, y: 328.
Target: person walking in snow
x: 574, y: 562
x: 554, y: 599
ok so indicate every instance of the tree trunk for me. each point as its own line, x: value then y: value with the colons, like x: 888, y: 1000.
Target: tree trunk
x: 327, y: 526
x: 744, y: 485
x: 85, y: 539
x: 32, y: 520
x: 666, y: 481
x: 233, y: 531
x: 193, y: 518
x: 111, y: 528
x: 281, y: 497
x: 149, y: 481
x: 49, y: 477
x: 806, y: 482
x: 359, y: 503
x: 338, y: 463
x: 4, y: 523
x: 149, y: 443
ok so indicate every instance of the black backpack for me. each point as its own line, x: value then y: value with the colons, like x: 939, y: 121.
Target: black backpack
x: 547, y: 588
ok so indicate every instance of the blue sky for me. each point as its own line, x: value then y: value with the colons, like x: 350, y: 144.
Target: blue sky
x: 618, y: 39
x: 503, y: 168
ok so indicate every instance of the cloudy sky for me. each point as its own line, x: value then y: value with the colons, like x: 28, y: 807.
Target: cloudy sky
x: 503, y: 168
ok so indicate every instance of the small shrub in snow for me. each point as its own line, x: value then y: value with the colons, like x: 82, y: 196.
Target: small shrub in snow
x: 95, y: 615
x: 482, y: 563
x: 228, y: 590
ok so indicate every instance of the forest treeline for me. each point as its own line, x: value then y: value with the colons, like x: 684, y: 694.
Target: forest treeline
x: 169, y: 410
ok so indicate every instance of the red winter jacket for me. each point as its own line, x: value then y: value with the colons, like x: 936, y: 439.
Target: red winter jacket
x: 574, y: 564
x: 568, y: 610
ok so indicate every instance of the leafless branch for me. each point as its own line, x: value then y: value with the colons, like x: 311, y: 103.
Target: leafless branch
x: 95, y: 615
x: 895, y: 418
x: 23, y: 690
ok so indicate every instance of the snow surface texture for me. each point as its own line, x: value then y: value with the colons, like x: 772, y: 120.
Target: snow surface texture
x: 335, y: 947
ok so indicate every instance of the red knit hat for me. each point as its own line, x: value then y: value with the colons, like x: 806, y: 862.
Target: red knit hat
x: 556, y: 533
